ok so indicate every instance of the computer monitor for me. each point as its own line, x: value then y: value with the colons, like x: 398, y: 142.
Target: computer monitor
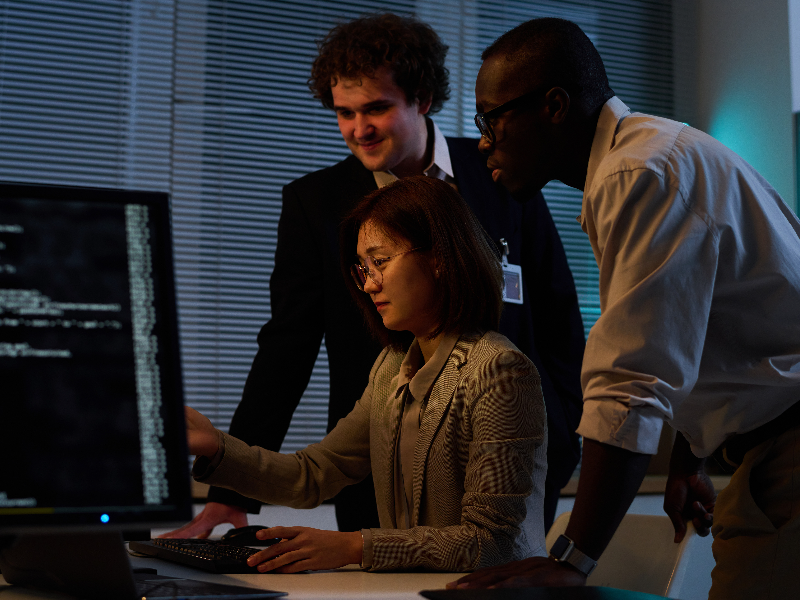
x: 92, y: 429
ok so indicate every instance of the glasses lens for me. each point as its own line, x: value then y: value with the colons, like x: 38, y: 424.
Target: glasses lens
x: 373, y: 271
x: 484, y: 128
x: 357, y: 271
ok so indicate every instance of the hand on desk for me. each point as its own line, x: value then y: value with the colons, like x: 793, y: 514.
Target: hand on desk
x: 307, y: 549
x: 212, y: 515
x: 529, y: 572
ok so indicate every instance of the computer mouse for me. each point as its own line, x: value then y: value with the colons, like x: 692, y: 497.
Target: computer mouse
x: 246, y: 536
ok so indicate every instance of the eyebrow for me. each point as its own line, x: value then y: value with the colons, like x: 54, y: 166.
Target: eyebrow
x: 369, y: 251
x: 480, y: 109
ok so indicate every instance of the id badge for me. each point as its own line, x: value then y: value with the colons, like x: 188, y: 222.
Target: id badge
x: 512, y: 276
x: 512, y: 290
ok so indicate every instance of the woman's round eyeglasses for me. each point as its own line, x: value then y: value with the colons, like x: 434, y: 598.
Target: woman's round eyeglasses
x: 373, y: 268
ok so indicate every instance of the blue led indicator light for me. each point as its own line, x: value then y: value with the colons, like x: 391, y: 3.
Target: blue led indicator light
x: 105, y: 518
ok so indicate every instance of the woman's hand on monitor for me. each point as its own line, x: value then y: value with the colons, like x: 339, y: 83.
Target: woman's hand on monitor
x: 201, y: 436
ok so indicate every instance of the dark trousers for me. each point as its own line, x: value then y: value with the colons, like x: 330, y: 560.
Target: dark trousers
x: 551, y: 496
x: 355, y: 507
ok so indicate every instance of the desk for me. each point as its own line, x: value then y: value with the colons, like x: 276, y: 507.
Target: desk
x: 348, y: 582
x: 352, y: 583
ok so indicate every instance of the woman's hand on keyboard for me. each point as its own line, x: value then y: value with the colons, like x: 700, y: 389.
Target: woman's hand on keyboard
x: 307, y: 549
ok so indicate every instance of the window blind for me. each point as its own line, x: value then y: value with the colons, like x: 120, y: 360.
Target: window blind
x: 85, y: 92
x: 207, y: 99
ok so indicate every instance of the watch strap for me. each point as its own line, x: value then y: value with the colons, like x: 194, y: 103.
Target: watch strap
x: 564, y: 550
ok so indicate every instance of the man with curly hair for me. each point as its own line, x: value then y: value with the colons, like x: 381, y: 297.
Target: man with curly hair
x: 384, y: 75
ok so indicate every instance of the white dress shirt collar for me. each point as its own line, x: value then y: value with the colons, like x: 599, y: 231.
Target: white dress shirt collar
x: 440, y: 167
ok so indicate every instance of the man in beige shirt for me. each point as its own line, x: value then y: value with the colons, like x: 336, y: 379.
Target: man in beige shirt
x: 699, y: 262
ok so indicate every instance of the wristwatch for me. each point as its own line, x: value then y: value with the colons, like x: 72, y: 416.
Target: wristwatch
x: 564, y: 550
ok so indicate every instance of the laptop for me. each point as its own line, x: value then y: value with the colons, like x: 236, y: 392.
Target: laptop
x: 151, y: 586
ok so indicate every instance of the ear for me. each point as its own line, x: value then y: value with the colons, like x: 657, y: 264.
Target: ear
x: 434, y: 267
x: 557, y: 105
x: 425, y: 104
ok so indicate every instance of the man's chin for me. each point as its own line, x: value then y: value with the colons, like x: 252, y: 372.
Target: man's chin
x: 521, y: 190
x: 372, y: 163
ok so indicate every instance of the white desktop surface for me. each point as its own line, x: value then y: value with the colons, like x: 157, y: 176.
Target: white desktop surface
x: 348, y: 582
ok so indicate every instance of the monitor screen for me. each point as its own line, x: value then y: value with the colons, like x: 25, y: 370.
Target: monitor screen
x: 91, y: 408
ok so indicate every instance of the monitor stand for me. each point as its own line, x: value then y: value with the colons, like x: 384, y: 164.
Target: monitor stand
x: 89, y: 565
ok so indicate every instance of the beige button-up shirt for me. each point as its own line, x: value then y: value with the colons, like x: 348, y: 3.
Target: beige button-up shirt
x: 414, y: 383
x: 699, y: 262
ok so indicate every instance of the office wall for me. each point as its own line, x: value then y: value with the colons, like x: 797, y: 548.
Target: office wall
x: 794, y: 52
x: 733, y: 74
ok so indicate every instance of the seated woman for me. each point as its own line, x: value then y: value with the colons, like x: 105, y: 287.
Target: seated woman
x: 453, y: 430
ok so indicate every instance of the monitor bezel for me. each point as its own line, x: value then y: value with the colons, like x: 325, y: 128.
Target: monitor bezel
x: 179, y: 510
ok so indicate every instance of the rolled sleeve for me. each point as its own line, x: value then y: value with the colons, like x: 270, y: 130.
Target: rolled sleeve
x: 615, y: 423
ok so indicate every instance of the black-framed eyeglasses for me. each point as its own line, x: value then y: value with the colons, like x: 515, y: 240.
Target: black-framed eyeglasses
x: 483, y: 120
x: 373, y: 269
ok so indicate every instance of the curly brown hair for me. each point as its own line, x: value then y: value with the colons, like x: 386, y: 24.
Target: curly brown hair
x: 410, y: 48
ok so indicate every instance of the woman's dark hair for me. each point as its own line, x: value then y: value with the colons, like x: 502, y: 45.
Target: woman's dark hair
x: 430, y: 214
x: 410, y: 48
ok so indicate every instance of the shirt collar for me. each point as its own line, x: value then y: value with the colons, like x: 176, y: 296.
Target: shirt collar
x: 610, y: 116
x: 612, y: 113
x: 420, y: 376
x: 440, y: 167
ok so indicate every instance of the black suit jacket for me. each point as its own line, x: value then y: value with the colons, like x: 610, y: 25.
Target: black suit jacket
x: 310, y: 299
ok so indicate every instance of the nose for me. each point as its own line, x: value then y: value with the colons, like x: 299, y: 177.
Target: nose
x: 370, y: 287
x: 363, y: 126
x: 484, y: 145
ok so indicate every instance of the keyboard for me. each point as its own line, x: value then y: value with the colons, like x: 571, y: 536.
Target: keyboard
x: 214, y: 556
